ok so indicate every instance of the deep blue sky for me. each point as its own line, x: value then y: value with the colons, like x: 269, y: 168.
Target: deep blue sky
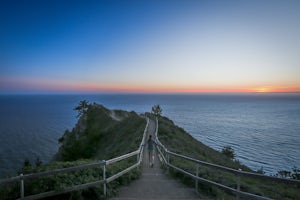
x: 49, y: 46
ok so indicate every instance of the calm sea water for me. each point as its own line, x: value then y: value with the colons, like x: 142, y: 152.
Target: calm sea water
x: 263, y: 129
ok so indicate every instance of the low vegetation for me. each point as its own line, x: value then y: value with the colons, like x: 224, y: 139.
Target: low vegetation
x: 64, y: 180
x: 100, y: 134
x: 229, y: 152
x: 179, y: 141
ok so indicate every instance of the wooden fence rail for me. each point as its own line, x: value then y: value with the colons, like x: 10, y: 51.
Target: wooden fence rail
x: 165, y: 154
x: 103, y: 164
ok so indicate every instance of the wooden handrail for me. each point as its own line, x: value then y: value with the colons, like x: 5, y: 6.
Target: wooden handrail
x: 203, y: 180
x: 234, y: 171
x: 103, y: 163
x: 113, y: 160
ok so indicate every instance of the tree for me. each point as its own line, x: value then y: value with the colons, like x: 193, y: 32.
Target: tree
x: 38, y: 162
x: 287, y: 174
x: 296, y: 173
x: 82, y: 108
x: 27, y: 163
x: 156, y: 110
x: 229, y: 152
x: 284, y: 174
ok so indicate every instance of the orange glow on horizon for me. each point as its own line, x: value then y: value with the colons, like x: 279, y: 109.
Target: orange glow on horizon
x: 278, y: 89
x: 263, y: 89
x: 68, y: 86
x: 163, y: 89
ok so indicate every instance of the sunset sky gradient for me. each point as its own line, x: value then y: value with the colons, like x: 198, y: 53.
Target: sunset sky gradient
x: 149, y: 46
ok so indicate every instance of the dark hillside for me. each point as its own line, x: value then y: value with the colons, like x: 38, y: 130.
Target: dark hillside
x: 178, y: 140
x: 102, y: 134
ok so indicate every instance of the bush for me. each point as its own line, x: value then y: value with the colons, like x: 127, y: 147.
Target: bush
x: 229, y: 152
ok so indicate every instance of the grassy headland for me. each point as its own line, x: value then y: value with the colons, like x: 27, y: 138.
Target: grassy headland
x: 179, y: 141
x: 100, y: 134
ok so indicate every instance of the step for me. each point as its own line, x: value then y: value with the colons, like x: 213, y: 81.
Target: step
x: 157, y: 177
x: 153, y: 198
x: 158, y: 192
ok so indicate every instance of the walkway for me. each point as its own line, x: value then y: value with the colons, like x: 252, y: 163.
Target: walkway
x: 154, y: 184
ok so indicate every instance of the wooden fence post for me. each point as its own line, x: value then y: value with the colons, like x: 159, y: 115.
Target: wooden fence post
x: 238, y: 187
x: 196, y: 182
x: 168, y: 161
x: 22, y: 186
x: 104, y: 178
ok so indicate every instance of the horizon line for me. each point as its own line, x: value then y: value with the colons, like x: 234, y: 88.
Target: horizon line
x: 140, y: 92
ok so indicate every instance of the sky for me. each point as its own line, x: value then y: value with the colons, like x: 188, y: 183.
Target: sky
x: 167, y: 46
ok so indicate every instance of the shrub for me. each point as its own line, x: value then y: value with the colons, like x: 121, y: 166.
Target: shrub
x: 229, y: 152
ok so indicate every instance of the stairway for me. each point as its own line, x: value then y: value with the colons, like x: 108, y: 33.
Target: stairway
x: 154, y: 184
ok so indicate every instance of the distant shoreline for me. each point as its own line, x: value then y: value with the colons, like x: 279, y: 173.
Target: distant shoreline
x: 245, y: 122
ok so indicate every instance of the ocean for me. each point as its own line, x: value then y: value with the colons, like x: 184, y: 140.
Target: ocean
x: 262, y: 128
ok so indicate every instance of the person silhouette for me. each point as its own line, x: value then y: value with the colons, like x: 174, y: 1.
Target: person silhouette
x: 150, y: 147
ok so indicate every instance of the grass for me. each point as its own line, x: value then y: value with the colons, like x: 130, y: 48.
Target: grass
x: 179, y: 141
x: 103, y: 137
x: 60, y: 181
x: 97, y: 136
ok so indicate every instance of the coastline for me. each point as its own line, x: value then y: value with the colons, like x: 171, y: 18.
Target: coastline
x: 48, y: 116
